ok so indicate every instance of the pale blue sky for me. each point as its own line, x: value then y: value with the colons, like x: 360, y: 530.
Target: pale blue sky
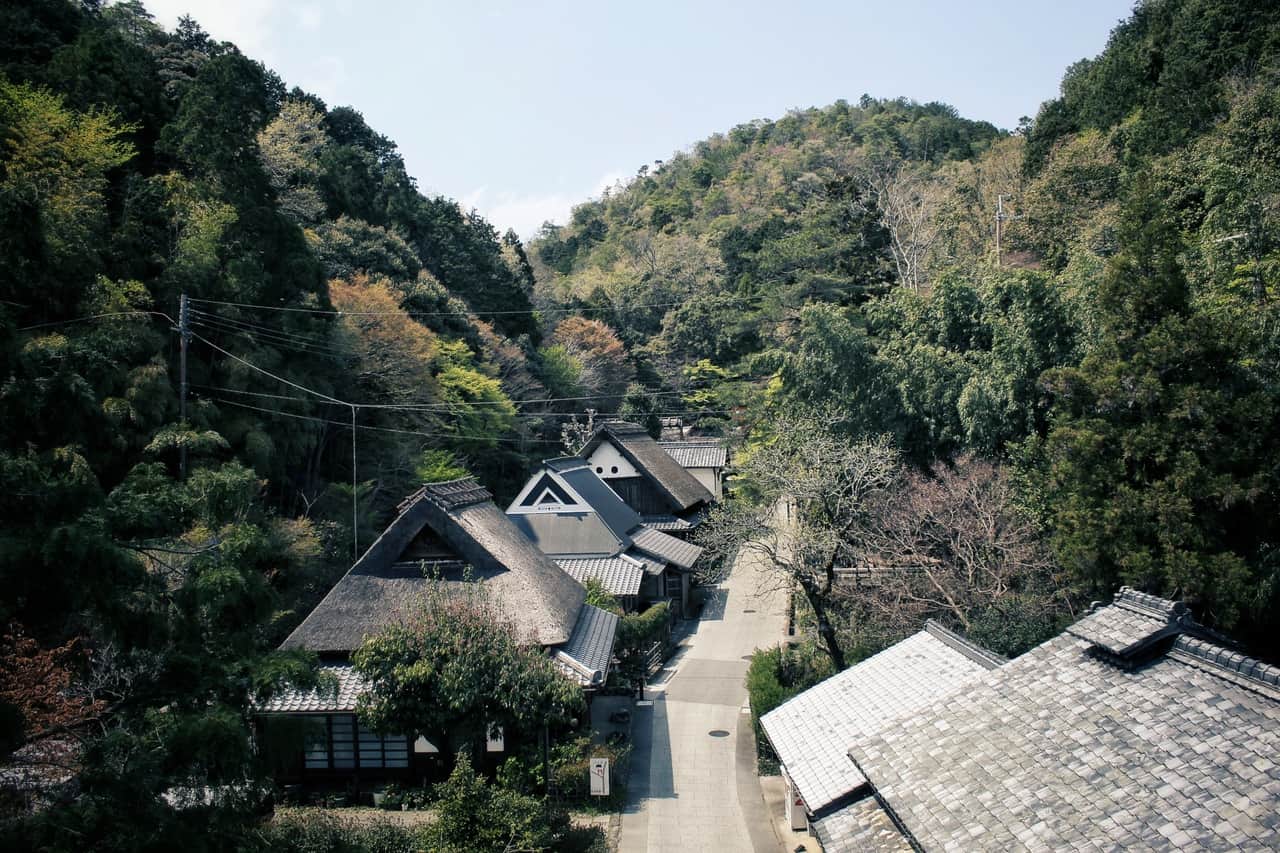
x: 524, y: 109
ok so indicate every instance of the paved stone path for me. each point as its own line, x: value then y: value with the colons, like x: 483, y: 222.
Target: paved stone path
x: 689, y: 788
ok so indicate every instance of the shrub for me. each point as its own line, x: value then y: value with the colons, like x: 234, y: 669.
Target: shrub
x: 473, y: 815
x: 318, y: 832
x: 773, y: 677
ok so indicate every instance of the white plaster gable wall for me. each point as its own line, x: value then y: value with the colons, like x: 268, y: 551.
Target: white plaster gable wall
x: 535, y: 483
x: 608, y: 463
x: 708, y: 477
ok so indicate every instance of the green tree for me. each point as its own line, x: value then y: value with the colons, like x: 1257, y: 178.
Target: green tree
x: 1157, y: 470
x: 458, y: 668
x: 475, y: 815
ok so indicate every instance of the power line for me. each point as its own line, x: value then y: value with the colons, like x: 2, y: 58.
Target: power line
x: 402, y: 312
x: 97, y: 317
x: 255, y: 367
x: 273, y: 339
x: 417, y: 409
x: 387, y: 429
x: 258, y: 326
x: 448, y: 407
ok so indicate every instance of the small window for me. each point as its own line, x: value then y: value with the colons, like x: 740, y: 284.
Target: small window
x: 614, y: 469
x: 344, y: 753
x: 600, y: 469
x: 316, y: 739
x: 383, y: 750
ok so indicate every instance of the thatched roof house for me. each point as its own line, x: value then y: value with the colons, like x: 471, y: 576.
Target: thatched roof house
x: 644, y: 475
x: 453, y: 529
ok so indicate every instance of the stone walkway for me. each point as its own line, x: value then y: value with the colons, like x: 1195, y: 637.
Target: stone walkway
x: 693, y: 784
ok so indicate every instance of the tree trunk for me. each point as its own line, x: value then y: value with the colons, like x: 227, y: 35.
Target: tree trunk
x: 825, y: 629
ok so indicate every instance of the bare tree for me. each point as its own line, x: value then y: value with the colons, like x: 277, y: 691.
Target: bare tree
x: 908, y: 199
x: 950, y: 546
x: 803, y: 508
x: 860, y: 535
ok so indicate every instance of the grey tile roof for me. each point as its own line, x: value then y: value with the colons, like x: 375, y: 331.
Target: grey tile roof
x: 683, y: 554
x: 862, y: 826
x: 1068, y: 747
x: 811, y: 732
x: 381, y: 589
x: 346, y: 686
x: 587, y: 654
x: 1132, y: 623
x: 597, y: 524
x: 651, y: 565
x: 605, y: 501
x: 619, y: 575
x: 666, y: 523
x: 696, y: 453
x: 680, y: 487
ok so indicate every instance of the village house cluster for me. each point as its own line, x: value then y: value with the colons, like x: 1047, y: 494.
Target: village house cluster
x: 619, y: 512
x: 1136, y: 727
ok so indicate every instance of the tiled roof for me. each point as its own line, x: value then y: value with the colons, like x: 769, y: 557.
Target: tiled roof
x: 683, y: 554
x: 338, y: 691
x: 696, y: 453
x: 681, y: 488
x: 811, y: 732
x: 619, y: 575
x: 1069, y: 747
x: 651, y: 565
x: 587, y: 655
x: 1132, y: 623
x: 666, y: 523
x: 862, y: 826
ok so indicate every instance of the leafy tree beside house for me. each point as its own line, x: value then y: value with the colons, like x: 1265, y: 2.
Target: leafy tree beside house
x: 456, y: 670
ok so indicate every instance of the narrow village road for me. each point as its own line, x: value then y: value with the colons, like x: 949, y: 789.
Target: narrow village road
x: 689, y: 788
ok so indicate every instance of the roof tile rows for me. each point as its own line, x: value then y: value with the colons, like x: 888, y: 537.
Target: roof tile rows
x: 587, y: 654
x: 339, y: 689
x: 683, y: 554
x: 696, y: 453
x: 811, y: 732
x: 618, y: 575
x: 1070, y: 746
x: 666, y: 523
x: 861, y: 826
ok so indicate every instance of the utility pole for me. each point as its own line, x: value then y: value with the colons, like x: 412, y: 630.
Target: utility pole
x: 355, y: 502
x: 999, y: 224
x: 184, y: 337
x: 1001, y: 218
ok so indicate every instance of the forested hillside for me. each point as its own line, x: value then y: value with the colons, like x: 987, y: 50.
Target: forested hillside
x: 150, y: 563
x: 1117, y: 358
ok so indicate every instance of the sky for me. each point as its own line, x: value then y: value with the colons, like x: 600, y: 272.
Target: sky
x: 521, y: 110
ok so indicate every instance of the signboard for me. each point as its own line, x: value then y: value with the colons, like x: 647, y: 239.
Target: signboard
x: 599, y: 777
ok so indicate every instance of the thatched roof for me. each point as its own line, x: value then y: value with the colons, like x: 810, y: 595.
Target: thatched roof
x: 680, y: 487
x: 444, y: 525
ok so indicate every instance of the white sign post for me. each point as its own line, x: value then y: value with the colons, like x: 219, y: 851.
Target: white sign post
x: 599, y: 777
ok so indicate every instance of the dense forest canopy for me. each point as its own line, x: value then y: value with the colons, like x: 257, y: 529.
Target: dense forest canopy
x: 1088, y: 301
x: 1076, y: 319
